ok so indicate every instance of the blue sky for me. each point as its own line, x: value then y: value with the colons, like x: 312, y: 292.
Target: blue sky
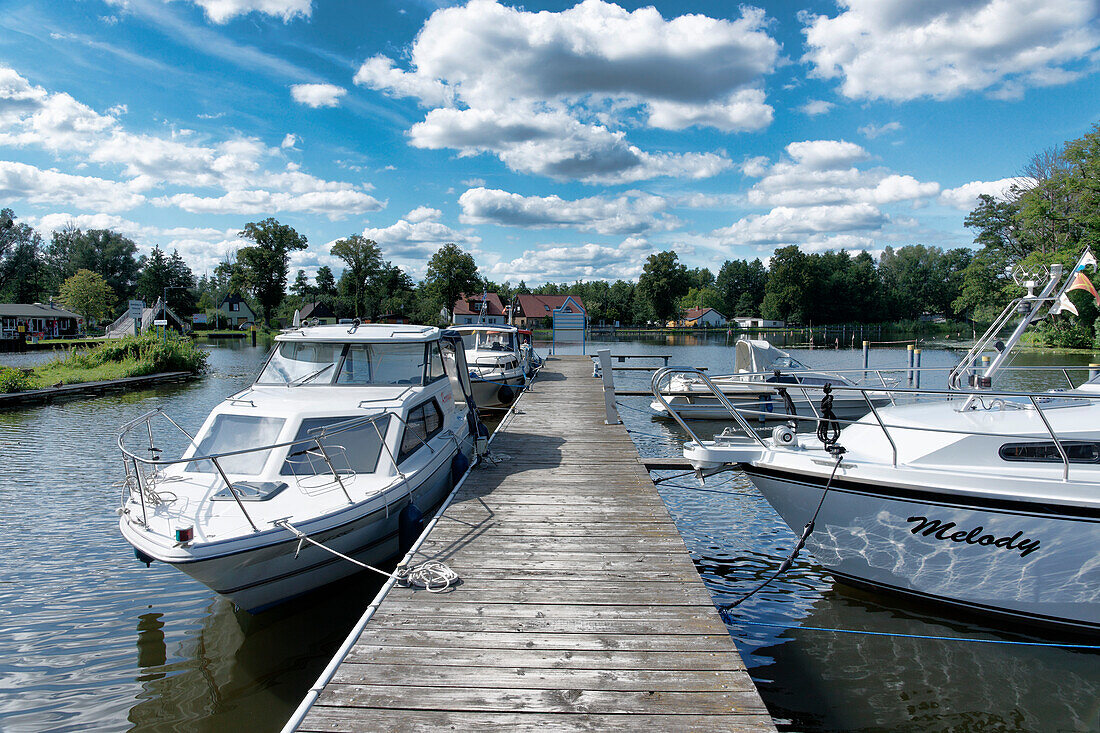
x: 554, y: 141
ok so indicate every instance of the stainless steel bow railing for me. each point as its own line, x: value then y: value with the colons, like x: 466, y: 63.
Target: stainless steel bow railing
x: 987, y: 399
x: 145, y: 482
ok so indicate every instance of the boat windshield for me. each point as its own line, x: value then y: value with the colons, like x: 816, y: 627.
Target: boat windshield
x: 302, y: 362
x: 488, y: 340
x: 786, y: 362
x: 237, y: 432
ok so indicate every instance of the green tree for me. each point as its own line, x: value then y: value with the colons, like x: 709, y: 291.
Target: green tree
x: 88, y: 294
x: 364, y: 263
x: 301, y: 286
x: 663, y: 280
x: 103, y: 251
x: 23, y: 271
x: 740, y: 286
x: 326, y: 282
x: 787, y: 290
x: 451, y: 272
x: 265, y: 264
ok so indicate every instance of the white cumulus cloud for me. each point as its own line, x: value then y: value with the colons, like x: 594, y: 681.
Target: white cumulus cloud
x: 902, y: 50
x: 222, y: 11
x: 317, y: 95
x: 965, y: 197
x: 627, y: 214
x: 528, y: 86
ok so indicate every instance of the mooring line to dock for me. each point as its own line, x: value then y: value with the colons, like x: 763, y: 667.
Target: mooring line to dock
x: 926, y: 637
x: 329, y: 671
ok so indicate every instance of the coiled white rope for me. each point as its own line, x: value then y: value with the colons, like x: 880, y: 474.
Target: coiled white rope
x: 432, y: 575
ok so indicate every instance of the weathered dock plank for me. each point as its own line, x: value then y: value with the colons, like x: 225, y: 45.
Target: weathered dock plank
x: 89, y: 389
x: 578, y: 607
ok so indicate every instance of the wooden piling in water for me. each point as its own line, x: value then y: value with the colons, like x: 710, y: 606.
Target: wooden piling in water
x: 578, y: 608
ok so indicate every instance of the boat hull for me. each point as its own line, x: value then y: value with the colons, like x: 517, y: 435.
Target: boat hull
x: 496, y: 391
x: 258, y: 578
x: 1030, y: 561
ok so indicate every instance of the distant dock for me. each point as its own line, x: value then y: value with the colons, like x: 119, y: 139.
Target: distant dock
x: 89, y: 389
x: 578, y: 608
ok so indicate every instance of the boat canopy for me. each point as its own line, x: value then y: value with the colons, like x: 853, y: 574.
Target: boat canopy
x: 757, y: 355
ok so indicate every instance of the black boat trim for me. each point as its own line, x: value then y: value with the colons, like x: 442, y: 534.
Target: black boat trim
x: 977, y: 503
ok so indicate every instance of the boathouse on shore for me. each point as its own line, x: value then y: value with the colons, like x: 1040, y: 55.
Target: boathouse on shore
x: 31, y: 320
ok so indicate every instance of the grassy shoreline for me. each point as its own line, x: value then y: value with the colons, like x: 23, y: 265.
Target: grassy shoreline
x: 127, y: 357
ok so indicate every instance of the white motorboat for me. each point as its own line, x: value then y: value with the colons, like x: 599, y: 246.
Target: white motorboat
x: 349, y: 436
x: 763, y: 374
x: 987, y: 500
x: 499, y: 365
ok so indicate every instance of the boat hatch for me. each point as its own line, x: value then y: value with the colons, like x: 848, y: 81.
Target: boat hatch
x: 231, y: 433
x: 251, y: 491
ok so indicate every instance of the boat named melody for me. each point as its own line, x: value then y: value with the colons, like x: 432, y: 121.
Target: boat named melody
x: 942, y: 531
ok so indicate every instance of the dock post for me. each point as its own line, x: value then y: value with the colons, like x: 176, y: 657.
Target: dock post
x: 1094, y: 369
x: 916, y: 368
x: 866, y: 356
x: 909, y: 364
x: 611, y: 412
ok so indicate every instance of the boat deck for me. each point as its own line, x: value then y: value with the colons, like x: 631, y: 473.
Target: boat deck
x: 578, y: 608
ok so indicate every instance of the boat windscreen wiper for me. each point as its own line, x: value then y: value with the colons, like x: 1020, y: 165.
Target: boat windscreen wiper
x: 310, y: 376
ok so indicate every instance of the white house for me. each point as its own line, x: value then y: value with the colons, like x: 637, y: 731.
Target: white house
x: 757, y: 322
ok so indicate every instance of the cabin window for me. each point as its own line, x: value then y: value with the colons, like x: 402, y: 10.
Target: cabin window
x: 435, y: 364
x: 1078, y: 451
x: 424, y: 422
x: 354, y: 448
x: 383, y: 364
x: 301, y: 362
x: 234, y: 433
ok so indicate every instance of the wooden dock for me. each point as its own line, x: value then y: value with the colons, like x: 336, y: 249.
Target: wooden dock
x: 578, y: 608
x: 90, y: 389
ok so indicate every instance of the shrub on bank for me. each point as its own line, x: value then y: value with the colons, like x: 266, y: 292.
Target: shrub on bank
x: 151, y: 354
x: 14, y: 380
x: 133, y: 356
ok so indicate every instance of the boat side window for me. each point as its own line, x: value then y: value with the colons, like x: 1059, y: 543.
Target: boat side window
x: 424, y: 422
x: 233, y: 433
x: 302, y: 362
x: 353, y: 449
x: 1078, y: 451
x: 435, y: 364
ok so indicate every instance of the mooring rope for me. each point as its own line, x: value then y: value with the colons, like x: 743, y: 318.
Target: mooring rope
x: 433, y: 575
x: 836, y: 450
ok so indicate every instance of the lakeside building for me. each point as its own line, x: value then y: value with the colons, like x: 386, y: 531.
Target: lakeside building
x: 325, y: 316
x: 235, y: 311
x: 699, y: 318
x: 485, y: 308
x: 37, y: 320
x: 537, y: 311
x: 757, y: 322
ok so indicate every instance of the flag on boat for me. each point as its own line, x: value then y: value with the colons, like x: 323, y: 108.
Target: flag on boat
x: 1064, y: 304
x: 1086, y: 260
x: 1081, y: 282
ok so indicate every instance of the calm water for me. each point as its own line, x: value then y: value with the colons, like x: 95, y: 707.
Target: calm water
x: 90, y: 638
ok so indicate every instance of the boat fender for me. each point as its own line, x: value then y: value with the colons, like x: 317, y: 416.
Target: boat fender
x: 410, y: 524
x: 459, y: 465
x: 142, y: 557
x: 506, y: 393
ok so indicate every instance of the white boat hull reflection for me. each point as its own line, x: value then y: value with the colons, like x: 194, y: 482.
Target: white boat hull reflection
x: 1023, y: 559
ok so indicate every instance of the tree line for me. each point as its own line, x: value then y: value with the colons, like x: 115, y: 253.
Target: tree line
x: 1049, y: 216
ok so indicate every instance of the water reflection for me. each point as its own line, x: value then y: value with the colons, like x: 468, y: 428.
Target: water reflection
x: 91, y: 639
